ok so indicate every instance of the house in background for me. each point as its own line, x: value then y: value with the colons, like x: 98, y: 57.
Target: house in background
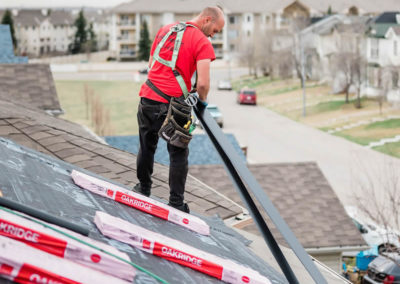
x: 383, y: 57
x: 45, y: 31
x: 245, y: 21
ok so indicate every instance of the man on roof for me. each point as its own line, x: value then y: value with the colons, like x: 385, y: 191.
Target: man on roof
x: 170, y: 77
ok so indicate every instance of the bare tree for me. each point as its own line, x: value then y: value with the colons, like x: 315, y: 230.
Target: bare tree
x: 247, y: 56
x: 378, y: 198
x: 384, y: 84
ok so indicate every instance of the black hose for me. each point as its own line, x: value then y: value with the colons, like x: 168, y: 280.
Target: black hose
x: 43, y: 216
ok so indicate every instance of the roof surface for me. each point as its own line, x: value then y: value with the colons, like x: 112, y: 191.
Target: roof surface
x: 71, y: 143
x: 199, y: 145
x: 302, y: 196
x: 387, y: 18
x: 42, y: 182
x: 29, y: 83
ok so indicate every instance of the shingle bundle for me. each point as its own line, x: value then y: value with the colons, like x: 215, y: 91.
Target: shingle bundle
x: 176, y: 251
x: 24, y: 264
x: 140, y: 202
x: 52, y: 242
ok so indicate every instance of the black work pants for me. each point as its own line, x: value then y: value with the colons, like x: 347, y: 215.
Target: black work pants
x: 151, y: 115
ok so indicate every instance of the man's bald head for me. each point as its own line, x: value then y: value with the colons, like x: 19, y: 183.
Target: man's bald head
x: 214, y: 12
x: 211, y: 20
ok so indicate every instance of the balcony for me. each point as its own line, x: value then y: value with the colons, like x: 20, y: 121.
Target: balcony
x: 127, y: 53
x: 127, y: 24
x: 126, y: 39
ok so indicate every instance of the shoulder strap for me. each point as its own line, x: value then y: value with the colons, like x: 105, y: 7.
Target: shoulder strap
x: 179, y: 29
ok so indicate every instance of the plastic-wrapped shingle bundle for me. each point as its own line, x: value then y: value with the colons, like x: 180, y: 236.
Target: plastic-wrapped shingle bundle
x: 24, y: 264
x: 50, y: 241
x: 140, y: 202
x: 176, y: 251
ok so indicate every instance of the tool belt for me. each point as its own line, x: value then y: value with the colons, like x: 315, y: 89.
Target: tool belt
x: 176, y: 126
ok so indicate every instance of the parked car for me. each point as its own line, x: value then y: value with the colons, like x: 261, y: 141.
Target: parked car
x: 247, y: 96
x: 224, y: 85
x: 144, y: 70
x: 386, y: 239
x: 215, y: 113
x: 383, y: 269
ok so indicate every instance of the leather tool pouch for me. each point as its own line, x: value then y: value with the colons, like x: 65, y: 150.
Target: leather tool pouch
x: 172, y: 130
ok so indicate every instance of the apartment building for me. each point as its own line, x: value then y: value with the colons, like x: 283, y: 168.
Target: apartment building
x: 246, y: 21
x: 49, y: 32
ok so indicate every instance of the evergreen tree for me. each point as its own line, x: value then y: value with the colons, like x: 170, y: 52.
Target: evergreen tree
x: 7, y: 20
x: 92, y: 40
x: 144, y: 43
x: 80, y: 34
x: 329, y: 10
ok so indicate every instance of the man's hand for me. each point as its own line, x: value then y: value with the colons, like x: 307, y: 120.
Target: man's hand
x: 203, y: 78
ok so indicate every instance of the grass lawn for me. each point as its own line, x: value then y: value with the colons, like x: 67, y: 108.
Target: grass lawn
x: 120, y: 98
x: 392, y: 149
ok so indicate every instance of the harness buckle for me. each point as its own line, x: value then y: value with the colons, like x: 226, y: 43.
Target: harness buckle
x: 191, y: 99
x: 178, y: 27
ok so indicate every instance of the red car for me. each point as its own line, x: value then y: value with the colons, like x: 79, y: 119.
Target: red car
x: 247, y: 96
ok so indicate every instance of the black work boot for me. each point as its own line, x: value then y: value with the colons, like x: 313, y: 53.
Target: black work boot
x: 142, y: 190
x: 184, y: 207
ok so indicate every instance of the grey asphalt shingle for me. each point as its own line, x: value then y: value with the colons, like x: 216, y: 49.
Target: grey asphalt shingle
x: 302, y: 196
x: 32, y: 84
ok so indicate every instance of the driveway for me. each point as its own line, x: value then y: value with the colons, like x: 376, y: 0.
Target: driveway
x: 272, y: 138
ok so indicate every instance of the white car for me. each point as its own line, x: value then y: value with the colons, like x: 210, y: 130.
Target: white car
x: 374, y: 234
x: 224, y: 85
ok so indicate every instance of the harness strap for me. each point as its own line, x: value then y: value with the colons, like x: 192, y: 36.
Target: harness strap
x: 157, y: 90
x: 179, y: 29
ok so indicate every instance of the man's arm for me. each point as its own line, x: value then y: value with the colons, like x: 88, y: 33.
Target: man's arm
x: 203, y: 78
x: 150, y: 61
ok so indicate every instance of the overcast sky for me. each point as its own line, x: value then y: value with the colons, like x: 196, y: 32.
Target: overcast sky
x: 59, y: 3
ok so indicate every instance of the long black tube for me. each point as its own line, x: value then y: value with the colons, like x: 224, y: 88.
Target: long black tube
x: 239, y: 173
x: 43, y: 216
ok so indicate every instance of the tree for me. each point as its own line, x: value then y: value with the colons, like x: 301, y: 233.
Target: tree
x: 378, y: 198
x: 329, y: 12
x: 91, y: 43
x: 80, y: 35
x: 8, y: 20
x: 144, y: 42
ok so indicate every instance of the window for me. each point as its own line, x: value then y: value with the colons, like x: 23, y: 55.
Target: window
x: 374, y: 48
x: 33, y: 27
x: 232, y: 20
x: 267, y: 19
x: 248, y: 33
x: 395, y: 48
x: 248, y: 19
x: 232, y: 47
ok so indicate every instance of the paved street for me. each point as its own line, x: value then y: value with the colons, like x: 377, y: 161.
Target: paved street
x: 271, y: 138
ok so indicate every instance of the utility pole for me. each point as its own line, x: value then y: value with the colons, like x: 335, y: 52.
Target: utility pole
x: 303, y: 80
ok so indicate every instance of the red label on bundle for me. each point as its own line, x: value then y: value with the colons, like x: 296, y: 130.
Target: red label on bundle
x: 6, y: 269
x: 188, y: 260
x: 142, y: 205
x: 110, y: 193
x: 33, y: 238
x: 245, y: 279
x: 29, y: 274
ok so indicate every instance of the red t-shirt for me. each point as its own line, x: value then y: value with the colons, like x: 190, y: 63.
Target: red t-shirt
x: 195, y: 46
